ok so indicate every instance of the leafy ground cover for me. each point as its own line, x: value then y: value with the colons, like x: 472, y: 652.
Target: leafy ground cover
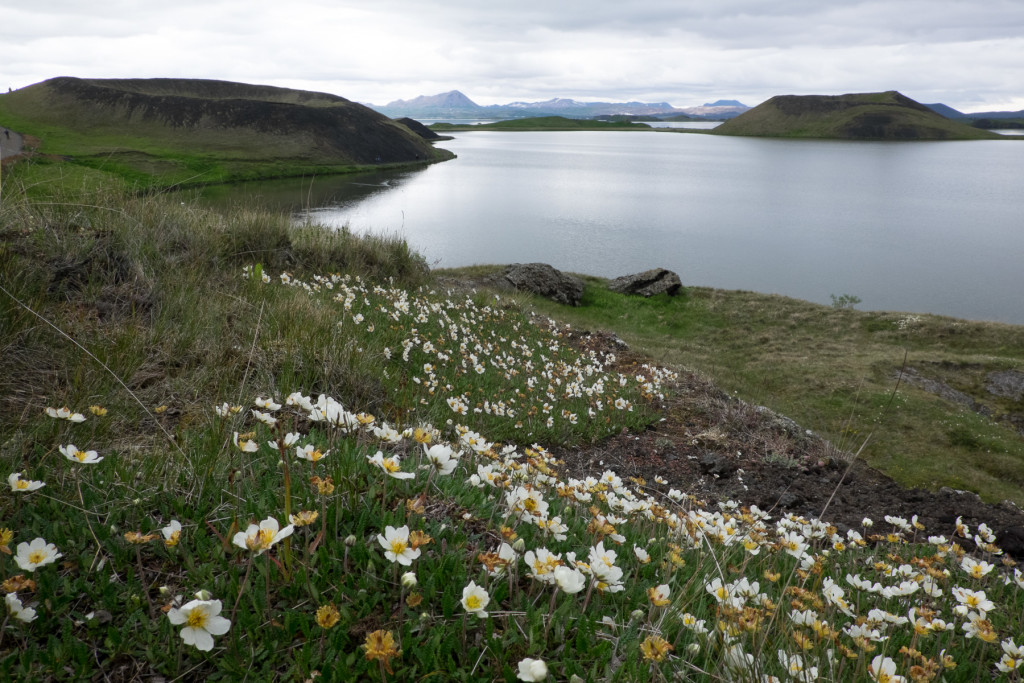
x: 908, y: 392
x: 237, y: 449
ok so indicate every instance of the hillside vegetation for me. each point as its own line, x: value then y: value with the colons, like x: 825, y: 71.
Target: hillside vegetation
x: 240, y: 450
x: 166, y: 131
x: 866, y: 116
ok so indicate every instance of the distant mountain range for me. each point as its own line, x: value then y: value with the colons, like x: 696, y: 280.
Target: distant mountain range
x: 951, y: 113
x: 454, y: 105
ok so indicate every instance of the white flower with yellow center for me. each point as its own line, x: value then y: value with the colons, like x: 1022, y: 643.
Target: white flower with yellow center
x: 172, y: 533
x: 202, y: 621
x: 475, y: 599
x: 36, y: 554
x: 72, y: 453
x: 391, y: 465
x: 244, y: 445
x: 397, y: 547
x: 310, y: 453
x: 258, y: 538
x: 883, y: 670
x: 19, y: 485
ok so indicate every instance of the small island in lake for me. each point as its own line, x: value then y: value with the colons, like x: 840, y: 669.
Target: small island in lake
x: 865, y: 116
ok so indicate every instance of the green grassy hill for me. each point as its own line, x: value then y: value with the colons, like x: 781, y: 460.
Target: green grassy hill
x: 866, y: 116
x: 169, y: 131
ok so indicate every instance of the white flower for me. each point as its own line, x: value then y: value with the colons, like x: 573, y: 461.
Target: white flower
x: 243, y: 445
x: 265, y: 418
x: 267, y: 404
x: 396, y: 545
x: 310, y: 453
x: 570, y: 580
x: 290, y: 439
x: 17, y: 610
x: 976, y: 568
x: 23, y: 485
x: 262, y: 537
x: 641, y: 554
x: 442, y: 458
x: 36, y: 554
x: 883, y: 670
x: 475, y: 599
x: 172, y: 533
x: 532, y: 670
x: 72, y: 453
x: 392, y: 465
x: 202, y: 622
x: 65, y: 414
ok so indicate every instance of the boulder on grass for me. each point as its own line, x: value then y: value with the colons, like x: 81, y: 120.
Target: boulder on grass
x: 648, y: 283
x: 543, y: 280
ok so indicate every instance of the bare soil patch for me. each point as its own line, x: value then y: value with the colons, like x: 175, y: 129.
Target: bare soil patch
x: 717, y: 447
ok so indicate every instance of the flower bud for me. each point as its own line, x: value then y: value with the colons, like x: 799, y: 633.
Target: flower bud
x: 350, y: 540
x: 409, y: 580
x: 203, y: 595
x: 637, y: 614
x: 165, y: 590
x: 519, y: 546
x: 693, y: 648
x: 576, y: 679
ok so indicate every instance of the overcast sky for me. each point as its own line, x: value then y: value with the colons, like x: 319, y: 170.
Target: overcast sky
x: 964, y: 53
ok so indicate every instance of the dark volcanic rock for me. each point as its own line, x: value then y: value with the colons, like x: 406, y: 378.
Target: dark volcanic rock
x: 418, y: 128
x: 1008, y: 384
x: 542, y: 280
x: 647, y: 283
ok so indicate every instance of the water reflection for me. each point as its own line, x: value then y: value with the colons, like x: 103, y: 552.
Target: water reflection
x: 300, y: 197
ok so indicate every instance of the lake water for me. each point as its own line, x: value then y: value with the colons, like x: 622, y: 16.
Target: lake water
x: 933, y: 227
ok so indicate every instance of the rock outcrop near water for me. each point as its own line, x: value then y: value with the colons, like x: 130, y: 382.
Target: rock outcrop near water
x: 865, y: 116
x: 543, y: 280
x: 648, y: 283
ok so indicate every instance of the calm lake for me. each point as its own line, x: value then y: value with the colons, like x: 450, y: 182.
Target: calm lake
x: 933, y: 227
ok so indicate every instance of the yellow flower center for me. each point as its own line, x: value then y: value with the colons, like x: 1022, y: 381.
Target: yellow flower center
x: 398, y: 546
x: 265, y: 537
x: 36, y: 556
x: 473, y: 602
x: 81, y: 455
x: 197, y: 618
x: 390, y: 465
x: 21, y: 484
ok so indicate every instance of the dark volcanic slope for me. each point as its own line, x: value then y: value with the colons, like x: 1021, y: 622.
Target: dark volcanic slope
x: 868, y: 116
x: 418, y: 128
x: 222, y: 117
